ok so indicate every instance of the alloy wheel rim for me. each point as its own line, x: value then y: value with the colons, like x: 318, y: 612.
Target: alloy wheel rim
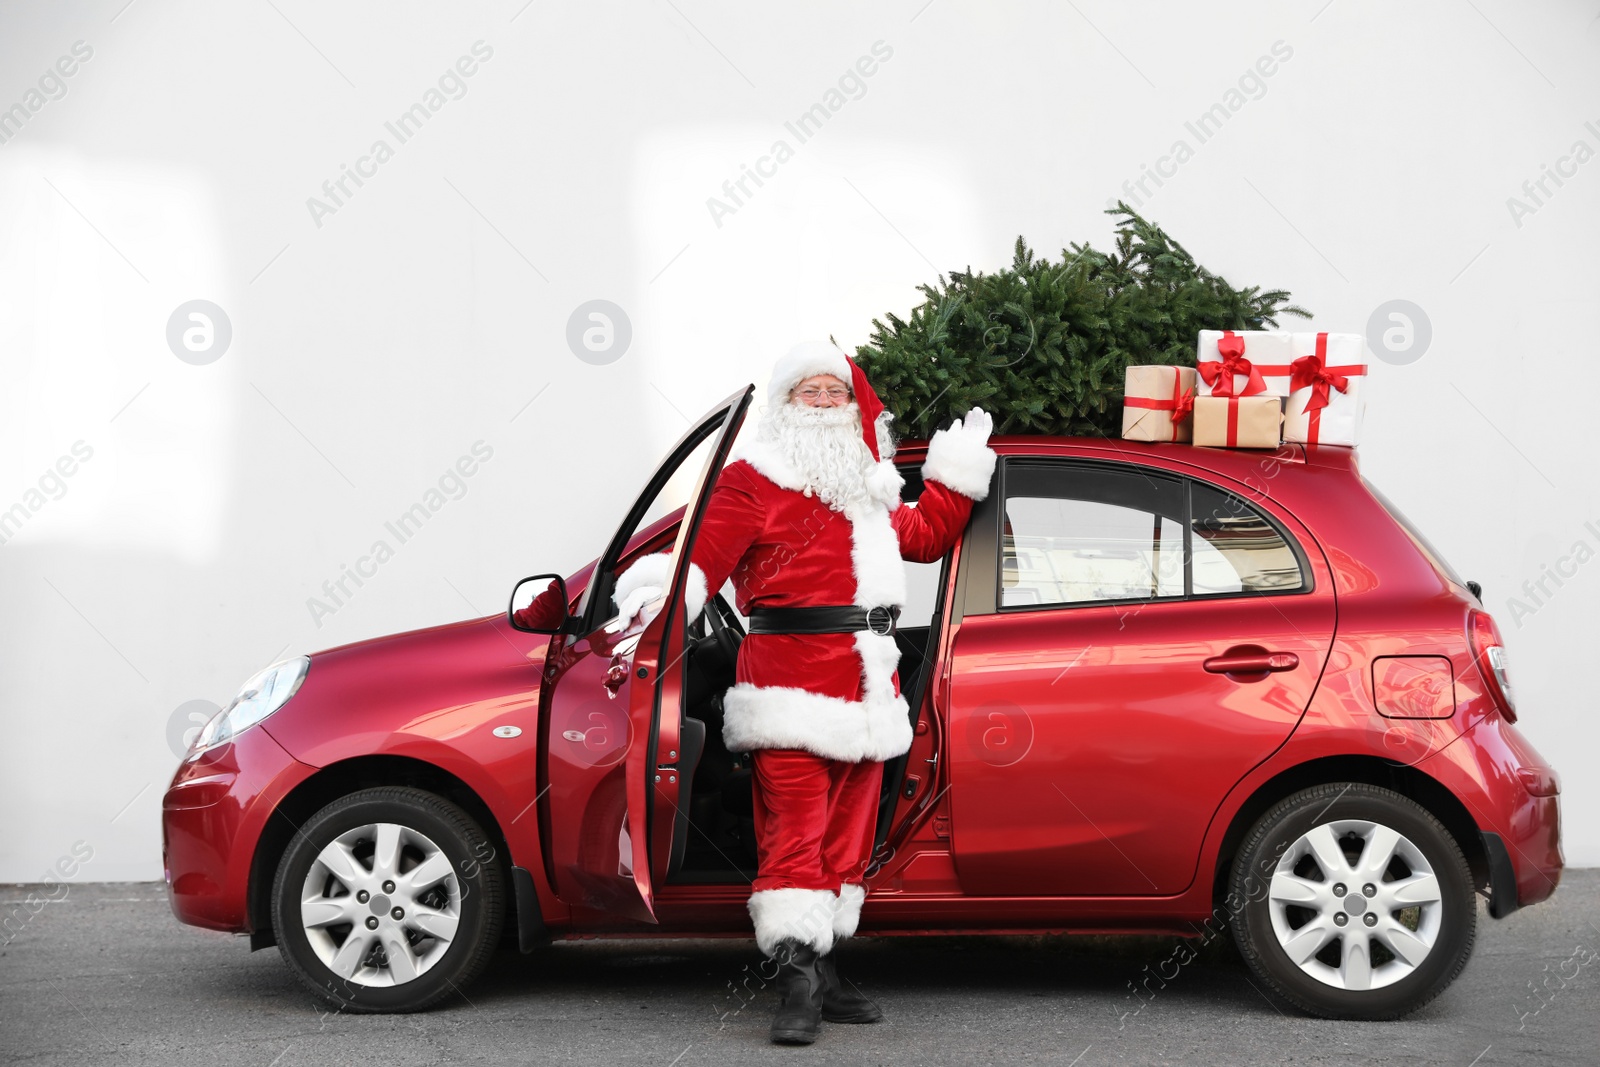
x: 1355, y: 904
x: 380, y: 905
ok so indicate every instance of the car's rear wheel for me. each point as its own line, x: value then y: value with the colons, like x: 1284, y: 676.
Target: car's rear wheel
x: 388, y: 900
x: 1353, y: 902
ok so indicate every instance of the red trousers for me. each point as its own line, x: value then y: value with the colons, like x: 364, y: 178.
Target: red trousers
x: 815, y: 819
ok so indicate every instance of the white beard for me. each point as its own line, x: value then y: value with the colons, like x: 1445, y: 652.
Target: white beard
x: 825, y: 446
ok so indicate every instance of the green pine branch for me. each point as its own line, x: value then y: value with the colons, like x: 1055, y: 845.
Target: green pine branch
x: 1043, y: 345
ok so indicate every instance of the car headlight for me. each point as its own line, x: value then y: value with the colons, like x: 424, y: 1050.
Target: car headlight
x: 259, y: 697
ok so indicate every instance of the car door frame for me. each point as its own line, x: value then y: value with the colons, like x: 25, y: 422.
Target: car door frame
x: 652, y: 785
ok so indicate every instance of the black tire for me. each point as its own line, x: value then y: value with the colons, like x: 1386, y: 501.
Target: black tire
x: 1262, y: 928
x: 433, y: 829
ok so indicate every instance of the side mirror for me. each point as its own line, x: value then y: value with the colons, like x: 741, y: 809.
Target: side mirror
x: 536, y: 611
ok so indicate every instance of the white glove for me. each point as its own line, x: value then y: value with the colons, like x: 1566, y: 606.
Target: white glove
x: 959, y: 455
x: 643, y: 586
x: 977, y: 425
x: 645, y: 601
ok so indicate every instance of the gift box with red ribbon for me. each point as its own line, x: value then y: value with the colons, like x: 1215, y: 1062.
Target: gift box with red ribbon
x: 1326, y: 404
x: 1245, y: 362
x: 1238, y: 421
x: 1158, y: 404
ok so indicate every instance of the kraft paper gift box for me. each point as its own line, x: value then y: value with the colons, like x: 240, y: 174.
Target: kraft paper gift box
x: 1238, y: 421
x: 1245, y: 362
x: 1326, y: 402
x: 1158, y: 404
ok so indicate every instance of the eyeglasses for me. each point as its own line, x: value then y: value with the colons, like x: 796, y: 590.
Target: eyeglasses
x: 813, y: 393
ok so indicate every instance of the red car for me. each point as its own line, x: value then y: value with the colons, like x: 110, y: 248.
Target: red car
x: 1156, y: 688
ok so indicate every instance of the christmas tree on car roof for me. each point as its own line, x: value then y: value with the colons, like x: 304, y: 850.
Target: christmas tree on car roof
x: 1045, y: 346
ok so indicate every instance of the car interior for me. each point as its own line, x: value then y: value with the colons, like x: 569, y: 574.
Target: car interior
x: 714, y: 840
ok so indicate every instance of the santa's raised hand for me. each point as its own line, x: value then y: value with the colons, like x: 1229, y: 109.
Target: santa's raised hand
x: 958, y: 455
x: 978, y: 424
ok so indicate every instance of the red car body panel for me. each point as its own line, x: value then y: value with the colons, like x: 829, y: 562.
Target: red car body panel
x: 1125, y: 824
x: 211, y: 817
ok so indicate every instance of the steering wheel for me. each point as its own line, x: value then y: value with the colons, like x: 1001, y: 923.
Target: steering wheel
x: 725, y: 627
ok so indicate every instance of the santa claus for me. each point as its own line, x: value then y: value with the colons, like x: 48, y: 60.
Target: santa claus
x: 817, y: 698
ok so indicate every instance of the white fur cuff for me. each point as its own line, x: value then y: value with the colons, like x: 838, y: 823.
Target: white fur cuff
x: 804, y: 914
x: 848, y: 911
x: 778, y: 716
x: 694, y: 591
x: 961, y: 458
x: 652, y: 573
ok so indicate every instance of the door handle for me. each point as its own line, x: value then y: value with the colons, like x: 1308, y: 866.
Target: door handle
x: 616, y: 674
x: 1251, y: 662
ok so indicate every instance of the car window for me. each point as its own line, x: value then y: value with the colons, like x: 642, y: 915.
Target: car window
x: 1236, y: 550
x: 669, y: 488
x: 922, y: 579
x: 1077, y: 535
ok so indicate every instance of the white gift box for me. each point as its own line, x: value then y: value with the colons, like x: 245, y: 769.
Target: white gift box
x: 1268, y: 352
x: 1341, y: 357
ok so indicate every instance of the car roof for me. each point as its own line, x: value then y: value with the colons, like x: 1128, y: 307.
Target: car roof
x: 1237, y: 463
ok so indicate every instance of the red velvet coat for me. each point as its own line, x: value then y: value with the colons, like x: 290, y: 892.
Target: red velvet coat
x: 837, y: 695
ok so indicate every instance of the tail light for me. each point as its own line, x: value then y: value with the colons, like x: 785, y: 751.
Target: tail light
x: 1490, y: 653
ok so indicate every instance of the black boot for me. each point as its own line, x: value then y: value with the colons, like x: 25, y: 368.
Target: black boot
x: 840, y: 1002
x: 799, y: 1014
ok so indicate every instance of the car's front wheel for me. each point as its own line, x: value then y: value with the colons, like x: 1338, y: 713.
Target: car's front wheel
x: 387, y: 900
x: 1353, y: 902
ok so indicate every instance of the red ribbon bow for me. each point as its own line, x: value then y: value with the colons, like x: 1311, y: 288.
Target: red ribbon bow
x: 1182, y: 400
x: 1181, y: 404
x: 1219, y: 373
x: 1313, y: 371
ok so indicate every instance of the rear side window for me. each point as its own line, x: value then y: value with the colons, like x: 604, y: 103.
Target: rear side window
x: 1079, y: 534
x: 1236, y: 550
x: 1424, y: 546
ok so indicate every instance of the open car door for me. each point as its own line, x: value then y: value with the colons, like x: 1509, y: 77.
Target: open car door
x: 611, y: 750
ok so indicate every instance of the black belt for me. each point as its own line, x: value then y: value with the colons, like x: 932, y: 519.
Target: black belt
x: 823, y: 620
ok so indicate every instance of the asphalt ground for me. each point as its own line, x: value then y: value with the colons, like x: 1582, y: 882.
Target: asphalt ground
x: 107, y: 975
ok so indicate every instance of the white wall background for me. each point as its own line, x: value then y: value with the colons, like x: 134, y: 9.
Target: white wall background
x: 429, y: 312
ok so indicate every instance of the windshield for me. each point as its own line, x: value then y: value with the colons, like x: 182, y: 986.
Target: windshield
x: 1440, y: 564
